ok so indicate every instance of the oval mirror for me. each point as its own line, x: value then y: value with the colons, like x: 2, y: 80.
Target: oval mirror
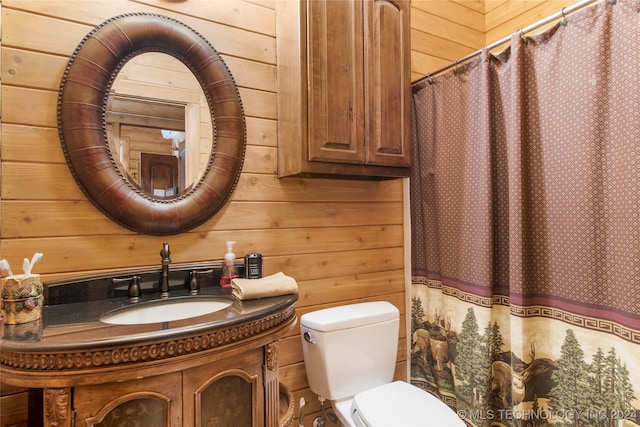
x: 158, y: 125
x: 96, y: 136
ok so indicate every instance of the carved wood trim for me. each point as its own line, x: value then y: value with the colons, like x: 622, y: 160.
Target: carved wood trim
x: 271, y: 384
x: 271, y: 356
x: 88, y: 359
x: 57, y: 407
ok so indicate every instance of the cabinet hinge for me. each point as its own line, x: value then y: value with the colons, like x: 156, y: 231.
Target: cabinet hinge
x: 264, y: 376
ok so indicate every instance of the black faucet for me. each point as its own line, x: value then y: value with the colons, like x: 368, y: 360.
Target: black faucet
x: 194, y: 285
x: 164, y: 275
x: 134, y: 291
x: 192, y: 282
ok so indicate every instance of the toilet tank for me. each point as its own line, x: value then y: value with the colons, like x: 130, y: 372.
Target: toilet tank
x: 350, y: 348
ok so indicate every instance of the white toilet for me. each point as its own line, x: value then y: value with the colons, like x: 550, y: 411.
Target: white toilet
x: 350, y: 358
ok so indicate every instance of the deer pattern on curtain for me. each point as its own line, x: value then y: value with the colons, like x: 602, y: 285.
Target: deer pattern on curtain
x: 525, y: 207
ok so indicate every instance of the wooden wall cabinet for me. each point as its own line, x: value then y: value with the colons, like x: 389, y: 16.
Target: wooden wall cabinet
x: 343, y: 88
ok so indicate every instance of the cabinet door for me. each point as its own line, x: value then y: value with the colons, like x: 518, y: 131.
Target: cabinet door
x: 336, y: 81
x: 343, y: 88
x: 153, y: 402
x: 388, y: 80
x: 227, y: 392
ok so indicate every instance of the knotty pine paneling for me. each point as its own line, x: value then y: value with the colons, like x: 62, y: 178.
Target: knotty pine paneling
x: 355, y: 250
x: 343, y: 240
x: 43, y: 216
x: 507, y: 18
x: 443, y: 31
x: 446, y: 30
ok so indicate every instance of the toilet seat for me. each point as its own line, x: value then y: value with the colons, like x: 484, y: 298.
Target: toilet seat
x: 400, y: 404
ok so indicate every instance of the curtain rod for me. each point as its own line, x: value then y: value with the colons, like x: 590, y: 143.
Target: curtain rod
x: 561, y: 14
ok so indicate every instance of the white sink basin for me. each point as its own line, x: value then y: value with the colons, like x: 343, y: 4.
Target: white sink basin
x: 164, y: 311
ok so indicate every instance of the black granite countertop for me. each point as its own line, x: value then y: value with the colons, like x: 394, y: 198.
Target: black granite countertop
x: 73, y: 308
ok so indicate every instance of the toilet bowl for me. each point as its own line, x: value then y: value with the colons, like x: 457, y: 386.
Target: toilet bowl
x: 350, y: 358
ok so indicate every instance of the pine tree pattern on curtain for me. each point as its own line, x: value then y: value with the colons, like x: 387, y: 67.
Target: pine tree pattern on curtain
x: 525, y: 206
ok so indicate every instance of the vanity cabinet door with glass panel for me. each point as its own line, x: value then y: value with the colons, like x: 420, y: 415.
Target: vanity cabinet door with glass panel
x: 153, y: 402
x: 227, y: 392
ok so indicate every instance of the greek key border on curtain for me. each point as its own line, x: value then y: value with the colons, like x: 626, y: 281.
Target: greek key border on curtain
x: 600, y: 325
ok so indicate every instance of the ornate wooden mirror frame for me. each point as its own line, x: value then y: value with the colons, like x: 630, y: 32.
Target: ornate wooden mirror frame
x: 82, y: 101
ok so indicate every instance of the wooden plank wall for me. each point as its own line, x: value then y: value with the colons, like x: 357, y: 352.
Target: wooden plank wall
x: 443, y: 31
x: 342, y: 240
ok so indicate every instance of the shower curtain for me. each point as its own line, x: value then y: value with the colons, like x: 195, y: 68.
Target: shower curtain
x: 525, y: 206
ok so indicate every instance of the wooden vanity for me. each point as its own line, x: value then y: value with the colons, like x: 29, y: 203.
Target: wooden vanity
x: 215, y: 369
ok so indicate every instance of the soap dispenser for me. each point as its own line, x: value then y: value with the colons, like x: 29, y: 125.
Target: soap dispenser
x: 229, y: 271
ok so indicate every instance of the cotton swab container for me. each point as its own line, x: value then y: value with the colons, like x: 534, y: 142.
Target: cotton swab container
x: 21, y: 298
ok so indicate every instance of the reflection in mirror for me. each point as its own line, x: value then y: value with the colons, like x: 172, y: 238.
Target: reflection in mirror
x: 158, y: 125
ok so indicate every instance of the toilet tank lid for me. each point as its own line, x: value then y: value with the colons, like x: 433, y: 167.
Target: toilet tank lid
x: 349, y: 316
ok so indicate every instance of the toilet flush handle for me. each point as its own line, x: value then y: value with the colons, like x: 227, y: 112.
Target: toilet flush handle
x: 308, y: 338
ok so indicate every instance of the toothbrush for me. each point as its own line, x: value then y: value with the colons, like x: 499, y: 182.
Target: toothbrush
x: 25, y: 266
x: 35, y: 258
x: 4, y: 265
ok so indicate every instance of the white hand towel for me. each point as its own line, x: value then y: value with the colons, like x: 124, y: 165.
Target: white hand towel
x: 268, y: 286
